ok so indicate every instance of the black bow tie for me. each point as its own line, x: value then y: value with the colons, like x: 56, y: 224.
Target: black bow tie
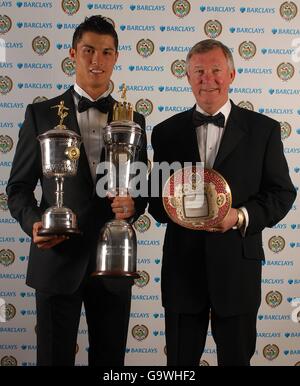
x: 200, y: 119
x: 103, y: 104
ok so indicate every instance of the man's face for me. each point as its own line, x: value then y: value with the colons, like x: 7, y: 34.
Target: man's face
x: 210, y: 77
x: 95, y: 57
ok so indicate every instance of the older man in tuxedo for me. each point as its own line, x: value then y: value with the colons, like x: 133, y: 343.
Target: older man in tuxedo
x: 219, y: 271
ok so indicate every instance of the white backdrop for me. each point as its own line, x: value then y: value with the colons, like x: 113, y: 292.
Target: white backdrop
x: 34, y: 41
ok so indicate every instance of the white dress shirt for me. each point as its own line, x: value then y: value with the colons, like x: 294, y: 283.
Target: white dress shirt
x: 209, y: 138
x: 91, y: 123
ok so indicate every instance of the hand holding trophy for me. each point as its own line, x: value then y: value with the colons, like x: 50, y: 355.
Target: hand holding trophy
x: 197, y: 198
x: 116, y: 251
x: 60, y: 154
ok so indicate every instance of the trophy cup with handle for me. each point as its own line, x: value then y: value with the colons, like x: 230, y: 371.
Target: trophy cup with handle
x: 60, y: 154
x: 116, y: 250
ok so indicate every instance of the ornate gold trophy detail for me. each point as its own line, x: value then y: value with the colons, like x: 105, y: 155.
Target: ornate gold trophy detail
x: 60, y: 154
x: 116, y: 252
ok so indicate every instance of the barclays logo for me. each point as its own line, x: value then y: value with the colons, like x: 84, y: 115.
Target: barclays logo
x: 12, y: 276
x: 6, y: 125
x: 142, y: 350
x: 63, y: 46
x: 177, y: 109
x: 5, y: 164
x: 28, y: 347
x: 8, y: 294
x: 125, y: 47
x: 11, y: 44
x: 147, y: 68
x: 158, y: 333
x: 278, y: 263
x: 33, y: 4
x: 285, y: 31
x: 12, y: 105
x: 174, y: 89
x: 66, y: 26
x: 292, y: 150
x: 277, y: 51
x: 148, y: 28
x: 143, y: 261
x: 215, y: 9
x: 27, y: 294
x: 247, y: 30
x: 255, y: 70
x: 268, y: 334
x: 35, y: 66
x: 292, y: 334
x: 274, y: 317
x: 31, y: 364
x: 175, y: 28
x: 145, y: 297
x: 149, y: 128
x: 244, y: 90
x: 272, y: 281
x: 174, y: 49
x: 141, y: 7
x: 28, y: 312
x: 158, y: 315
x: 6, y: 4
x: 139, y: 315
x: 295, y: 226
x: 13, y: 330
x: 33, y: 25
x: 285, y: 91
x: 262, y: 10
x: 60, y: 86
x: 47, y: 86
x: 8, y: 221
x: 7, y: 239
x: 279, y: 111
x: 293, y: 281
x: 5, y: 64
x: 106, y: 6
x: 210, y: 351
x: 117, y: 67
x: 280, y: 226
x: 160, y: 225
x: 142, y: 88
x: 149, y: 242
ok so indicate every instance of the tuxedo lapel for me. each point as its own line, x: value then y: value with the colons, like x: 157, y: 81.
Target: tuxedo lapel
x: 234, y: 131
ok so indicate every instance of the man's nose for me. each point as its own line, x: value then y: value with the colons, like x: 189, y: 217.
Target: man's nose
x: 97, y: 58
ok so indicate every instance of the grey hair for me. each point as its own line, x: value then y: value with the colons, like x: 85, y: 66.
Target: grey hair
x: 207, y: 45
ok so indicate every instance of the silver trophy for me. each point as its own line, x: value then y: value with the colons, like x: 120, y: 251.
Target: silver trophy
x: 116, y: 250
x: 60, y: 154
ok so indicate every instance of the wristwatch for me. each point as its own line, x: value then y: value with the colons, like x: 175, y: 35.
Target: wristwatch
x: 241, y: 219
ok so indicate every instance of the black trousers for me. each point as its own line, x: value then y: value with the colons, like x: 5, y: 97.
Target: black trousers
x: 107, y: 308
x: 235, y: 338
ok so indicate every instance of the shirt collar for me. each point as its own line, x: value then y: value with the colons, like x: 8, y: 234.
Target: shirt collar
x: 81, y: 92
x: 225, y: 110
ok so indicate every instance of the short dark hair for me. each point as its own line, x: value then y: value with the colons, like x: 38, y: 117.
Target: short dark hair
x: 98, y: 24
x: 208, y: 45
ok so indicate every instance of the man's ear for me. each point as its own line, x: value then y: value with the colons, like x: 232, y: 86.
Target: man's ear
x: 232, y: 75
x: 72, y: 53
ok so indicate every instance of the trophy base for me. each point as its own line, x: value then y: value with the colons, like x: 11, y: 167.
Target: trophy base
x: 118, y: 274
x: 60, y: 221
x: 58, y: 232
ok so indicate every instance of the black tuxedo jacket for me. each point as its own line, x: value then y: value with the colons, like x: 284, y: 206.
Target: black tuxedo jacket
x: 223, y: 270
x: 62, y: 268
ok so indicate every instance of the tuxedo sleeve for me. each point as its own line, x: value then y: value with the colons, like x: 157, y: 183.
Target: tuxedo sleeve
x: 24, y: 175
x: 277, y: 192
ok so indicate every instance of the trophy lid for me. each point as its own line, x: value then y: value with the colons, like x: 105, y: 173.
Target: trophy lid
x: 60, y: 131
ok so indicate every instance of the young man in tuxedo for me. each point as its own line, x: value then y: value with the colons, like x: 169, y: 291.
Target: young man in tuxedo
x: 60, y: 268
x: 219, y: 271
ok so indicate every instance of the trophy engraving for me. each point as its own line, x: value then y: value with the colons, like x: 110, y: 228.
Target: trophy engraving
x: 117, y: 245
x: 60, y: 154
